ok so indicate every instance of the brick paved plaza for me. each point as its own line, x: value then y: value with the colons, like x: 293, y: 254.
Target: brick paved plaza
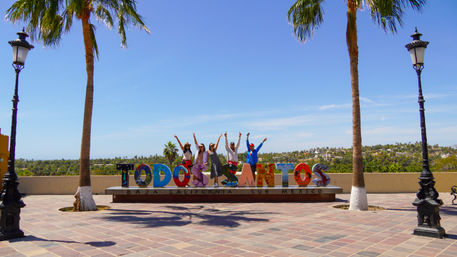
x: 240, y: 229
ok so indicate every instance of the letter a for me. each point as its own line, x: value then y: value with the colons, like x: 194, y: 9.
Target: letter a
x: 246, y: 176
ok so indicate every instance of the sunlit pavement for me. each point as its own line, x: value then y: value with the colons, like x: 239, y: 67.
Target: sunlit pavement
x: 236, y: 229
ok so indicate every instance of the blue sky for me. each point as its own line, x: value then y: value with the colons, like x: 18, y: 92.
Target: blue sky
x: 215, y: 66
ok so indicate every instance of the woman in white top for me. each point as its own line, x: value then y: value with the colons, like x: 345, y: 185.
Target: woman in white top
x: 232, y: 154
x: 186, y: 154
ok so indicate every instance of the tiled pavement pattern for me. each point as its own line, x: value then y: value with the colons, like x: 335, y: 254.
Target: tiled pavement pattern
x: 239, y: 229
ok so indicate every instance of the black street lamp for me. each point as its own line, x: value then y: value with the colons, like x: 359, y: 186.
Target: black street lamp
x: 10, y: 198
x: 427, y: 202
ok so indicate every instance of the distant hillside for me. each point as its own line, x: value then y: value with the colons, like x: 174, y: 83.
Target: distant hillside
x: 398, y: 157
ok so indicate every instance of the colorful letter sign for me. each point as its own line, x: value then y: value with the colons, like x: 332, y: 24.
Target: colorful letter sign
x: 139, y: 181
x: 166, y: 171
x: 284, y: 168
x: 246, y: 176
x: 268, y: 176
x: 298, y: 169
x: 3, y: 155
x: 176, y: 179
x: 247, y: 179
x: 323, y: 179
x: 232, y: 180
x: 125, y: 172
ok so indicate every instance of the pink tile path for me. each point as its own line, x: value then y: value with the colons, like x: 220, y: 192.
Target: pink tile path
x: 239, y: 229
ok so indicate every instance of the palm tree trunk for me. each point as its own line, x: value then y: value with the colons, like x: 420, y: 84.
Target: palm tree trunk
x: 84, y: 200
x: 358, y: 193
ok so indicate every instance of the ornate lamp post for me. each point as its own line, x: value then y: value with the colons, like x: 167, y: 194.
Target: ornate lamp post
x: 10, y: 198
x: 427, y: 202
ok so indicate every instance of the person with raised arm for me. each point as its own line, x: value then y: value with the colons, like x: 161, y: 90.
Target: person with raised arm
x: 200, y: 165
x: 251, y: 156
x: 232, y: 154
x: 186, y: 154
x: 216, y: 166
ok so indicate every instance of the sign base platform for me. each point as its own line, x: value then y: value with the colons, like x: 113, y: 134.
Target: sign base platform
x: 222, y: 194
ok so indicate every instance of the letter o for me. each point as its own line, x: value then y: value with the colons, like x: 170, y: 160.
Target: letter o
x: 186, y: 179
x: 139, y: 181
x: 298, y: 169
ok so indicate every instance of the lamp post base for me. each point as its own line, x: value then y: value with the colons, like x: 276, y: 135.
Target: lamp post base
x: 428, y: 215
x: 437, y: 232
x: 10, y: 208
x: 9, y: 219
x: 11, y: 235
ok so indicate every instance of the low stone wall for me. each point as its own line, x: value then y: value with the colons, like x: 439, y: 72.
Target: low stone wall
x: 375, y: 183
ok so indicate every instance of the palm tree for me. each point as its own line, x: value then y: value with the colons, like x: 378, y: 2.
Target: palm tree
x: 306, y: 16
x: 48, y: 20
x: 171, y: 152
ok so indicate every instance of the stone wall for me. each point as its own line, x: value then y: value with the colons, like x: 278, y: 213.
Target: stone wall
x: 375, y: 183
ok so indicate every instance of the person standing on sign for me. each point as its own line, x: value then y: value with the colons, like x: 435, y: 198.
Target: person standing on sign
x: 232, y: 154
x: 216, y: 166
x: 200, y: 165
x: 186, y: 154
x: 251, y: 157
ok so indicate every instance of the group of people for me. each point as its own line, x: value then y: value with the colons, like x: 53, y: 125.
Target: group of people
x: 200, y: 161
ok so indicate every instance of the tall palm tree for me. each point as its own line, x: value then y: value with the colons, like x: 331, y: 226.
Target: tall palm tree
x: 306, y: 16
x: 170, y: 152
x: 48, y: 20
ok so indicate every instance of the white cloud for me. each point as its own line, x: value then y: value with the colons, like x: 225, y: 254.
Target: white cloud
x: 446, y: 130
x: 379, y: 131
x: 438, y: 95
x: 280, y: 123
x: 366, y: 100
x: 334, y: 106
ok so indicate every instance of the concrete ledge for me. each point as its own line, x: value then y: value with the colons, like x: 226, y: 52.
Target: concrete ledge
x: 224, y: 194
x: 375, y: 183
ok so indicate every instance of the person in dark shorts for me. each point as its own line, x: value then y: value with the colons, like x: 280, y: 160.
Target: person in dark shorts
x: 229, y: 169
x: 232, y: 154
x: 251, y: 156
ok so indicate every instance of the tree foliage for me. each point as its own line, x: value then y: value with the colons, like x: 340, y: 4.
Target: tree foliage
x: 170, y: 152
x: 377, y: 159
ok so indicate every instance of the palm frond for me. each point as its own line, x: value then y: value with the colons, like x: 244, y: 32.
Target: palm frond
x: 388, y: 13
x: 104, y: 15
x: 47, y: 20
x: 305, y: 16
x: 130, y: 12
x: 42, y: 18
x: 67, y: 16
x: 93, y: 39
x: 77, y: 7
x: 121, y: 28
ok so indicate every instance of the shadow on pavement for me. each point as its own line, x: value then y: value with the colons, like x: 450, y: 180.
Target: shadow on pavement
x: 34, y: 238
x: 449, y: 210
x: 181, y: 216
x: 446, y: 210
x: 451, y: 236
